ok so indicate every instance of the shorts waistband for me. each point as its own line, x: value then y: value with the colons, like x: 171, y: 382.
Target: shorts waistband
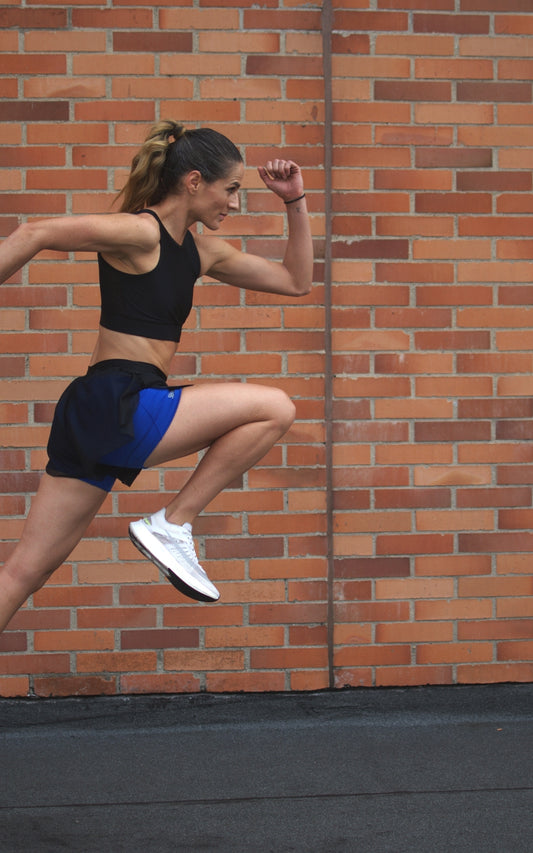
x: 124, y: 364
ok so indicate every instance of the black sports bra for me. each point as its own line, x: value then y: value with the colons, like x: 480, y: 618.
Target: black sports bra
x: 154, y: 304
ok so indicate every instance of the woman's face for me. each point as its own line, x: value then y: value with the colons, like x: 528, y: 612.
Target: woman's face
x: 215, y: 201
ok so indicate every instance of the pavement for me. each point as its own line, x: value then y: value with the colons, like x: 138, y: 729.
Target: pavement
x: 414, y: 770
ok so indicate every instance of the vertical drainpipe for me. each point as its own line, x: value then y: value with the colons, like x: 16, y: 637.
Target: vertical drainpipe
x: 327, y: 26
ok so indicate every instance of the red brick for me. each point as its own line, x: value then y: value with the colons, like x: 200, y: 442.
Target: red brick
x: 460, y: 24
x: 152, y: 42
x: 33, y: 19
x: 414, y: 543
x: 35, y: 664
x: 239, y: 42
x: 417, y: 45
x: 159, y: 683
x: 12, y: 641
x: 159, y: 638
x: 514, y: 519
x: 413, y: 676
x: 443, y: 295
x: 250, y: 682
x: 515, y: 607
x: 453, y: 202
x: 494, y: 92
x: 483, y: 542
x: 412, y: 179
x: 259, y: 19
x: 130, y: 18
x: 411, y: 90
x: 116, y: 662
x: 498, y: 226
x: 454, y: 653
x: 72, y: 686
x: 450, y: 565
x: 492, y: 629
x: 446, y: 431
x: 35, y: 111
x: 14, y: 687
x: 352, y: 43
x: 125, y: 617
x: 495, y: 5
x: 48, y: 203
x: 204, y: 659
x: 453, y: 158
x: 373, y: 432
x: 414, y: 225
x: 457, y: 610
x: 35, y: 64
x: 361, y: 20
x: 353, y: 677
x: 490, y: 673
x: 437, y: 5
x: 514, y: 69
x: 411, y: 632
x: 475, y: 116
x: 371, y: 249
x: 365, y: 567
x: 493, y: 497
x: 372, y: 611
x: 392, y: 655
x: 410, y: 318
x: 451, y: 69
x: 515, y: 250
x: 513, y: 24
x: 508, y: 474
x: 494, y: 182
x: 276, y: 65
x: 414, y: 272
x: 11, y: 366
x: 516, y: 651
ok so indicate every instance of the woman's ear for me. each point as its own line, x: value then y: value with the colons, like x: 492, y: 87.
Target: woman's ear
x: 192, y: 181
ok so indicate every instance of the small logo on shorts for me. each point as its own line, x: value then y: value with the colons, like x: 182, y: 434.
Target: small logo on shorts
x: 171, y: 395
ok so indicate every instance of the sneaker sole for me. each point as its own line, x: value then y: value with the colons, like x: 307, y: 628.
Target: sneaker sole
x: 177, y: 582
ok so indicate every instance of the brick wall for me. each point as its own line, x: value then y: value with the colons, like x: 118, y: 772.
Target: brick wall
x: 386, y: 540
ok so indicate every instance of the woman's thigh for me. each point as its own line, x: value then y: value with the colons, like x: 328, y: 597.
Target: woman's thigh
x: 208, y: 411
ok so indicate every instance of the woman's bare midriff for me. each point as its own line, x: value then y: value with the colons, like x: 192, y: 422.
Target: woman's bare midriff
x: 133, y: 348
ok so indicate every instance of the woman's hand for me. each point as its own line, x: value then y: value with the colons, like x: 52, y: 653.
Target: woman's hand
x: 283, y: 177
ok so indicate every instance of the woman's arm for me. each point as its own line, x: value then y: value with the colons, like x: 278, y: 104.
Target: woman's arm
x: 294, y: 275
x: 114, y: 233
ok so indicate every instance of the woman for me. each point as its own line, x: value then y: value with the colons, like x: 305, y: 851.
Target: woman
x: 122, y: 417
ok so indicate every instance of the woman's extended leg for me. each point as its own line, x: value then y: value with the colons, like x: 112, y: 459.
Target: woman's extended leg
x: 60, y: 513
x: 238, y: 424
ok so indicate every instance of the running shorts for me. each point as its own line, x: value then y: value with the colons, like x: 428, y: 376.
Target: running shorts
x: 108, y: 422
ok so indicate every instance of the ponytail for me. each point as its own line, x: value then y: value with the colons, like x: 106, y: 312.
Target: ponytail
x: 168, y: 153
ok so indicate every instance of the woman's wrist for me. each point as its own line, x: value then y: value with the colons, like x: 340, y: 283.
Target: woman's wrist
x: 292, y: 200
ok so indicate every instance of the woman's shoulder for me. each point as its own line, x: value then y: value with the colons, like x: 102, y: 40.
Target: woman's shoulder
x: 211, y: 249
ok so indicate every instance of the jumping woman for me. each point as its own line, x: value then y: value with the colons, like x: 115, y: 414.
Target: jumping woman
x: 122, y: 416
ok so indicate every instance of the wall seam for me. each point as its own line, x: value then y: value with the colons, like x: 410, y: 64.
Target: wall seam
x: 328, y: 372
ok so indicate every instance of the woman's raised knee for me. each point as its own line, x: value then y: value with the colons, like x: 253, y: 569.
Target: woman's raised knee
x: 282, y: 409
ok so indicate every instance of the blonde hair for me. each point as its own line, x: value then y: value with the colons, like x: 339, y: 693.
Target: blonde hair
x: 168, y: 153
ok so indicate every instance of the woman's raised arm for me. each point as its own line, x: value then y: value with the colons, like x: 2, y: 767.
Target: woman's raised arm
x: 294, y: 275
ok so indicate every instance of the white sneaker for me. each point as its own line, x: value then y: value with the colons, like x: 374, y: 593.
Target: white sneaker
x: 171, y: 548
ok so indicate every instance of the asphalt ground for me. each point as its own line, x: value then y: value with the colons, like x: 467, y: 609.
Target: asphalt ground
x: 415, y: 770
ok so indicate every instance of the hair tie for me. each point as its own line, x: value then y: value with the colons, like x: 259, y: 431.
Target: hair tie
x: 292, y: 200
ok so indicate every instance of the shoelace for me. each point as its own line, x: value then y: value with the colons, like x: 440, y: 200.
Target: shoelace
x: 187, y: 542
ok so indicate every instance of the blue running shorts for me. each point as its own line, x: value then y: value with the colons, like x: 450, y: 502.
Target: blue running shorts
x: 108, y: 422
